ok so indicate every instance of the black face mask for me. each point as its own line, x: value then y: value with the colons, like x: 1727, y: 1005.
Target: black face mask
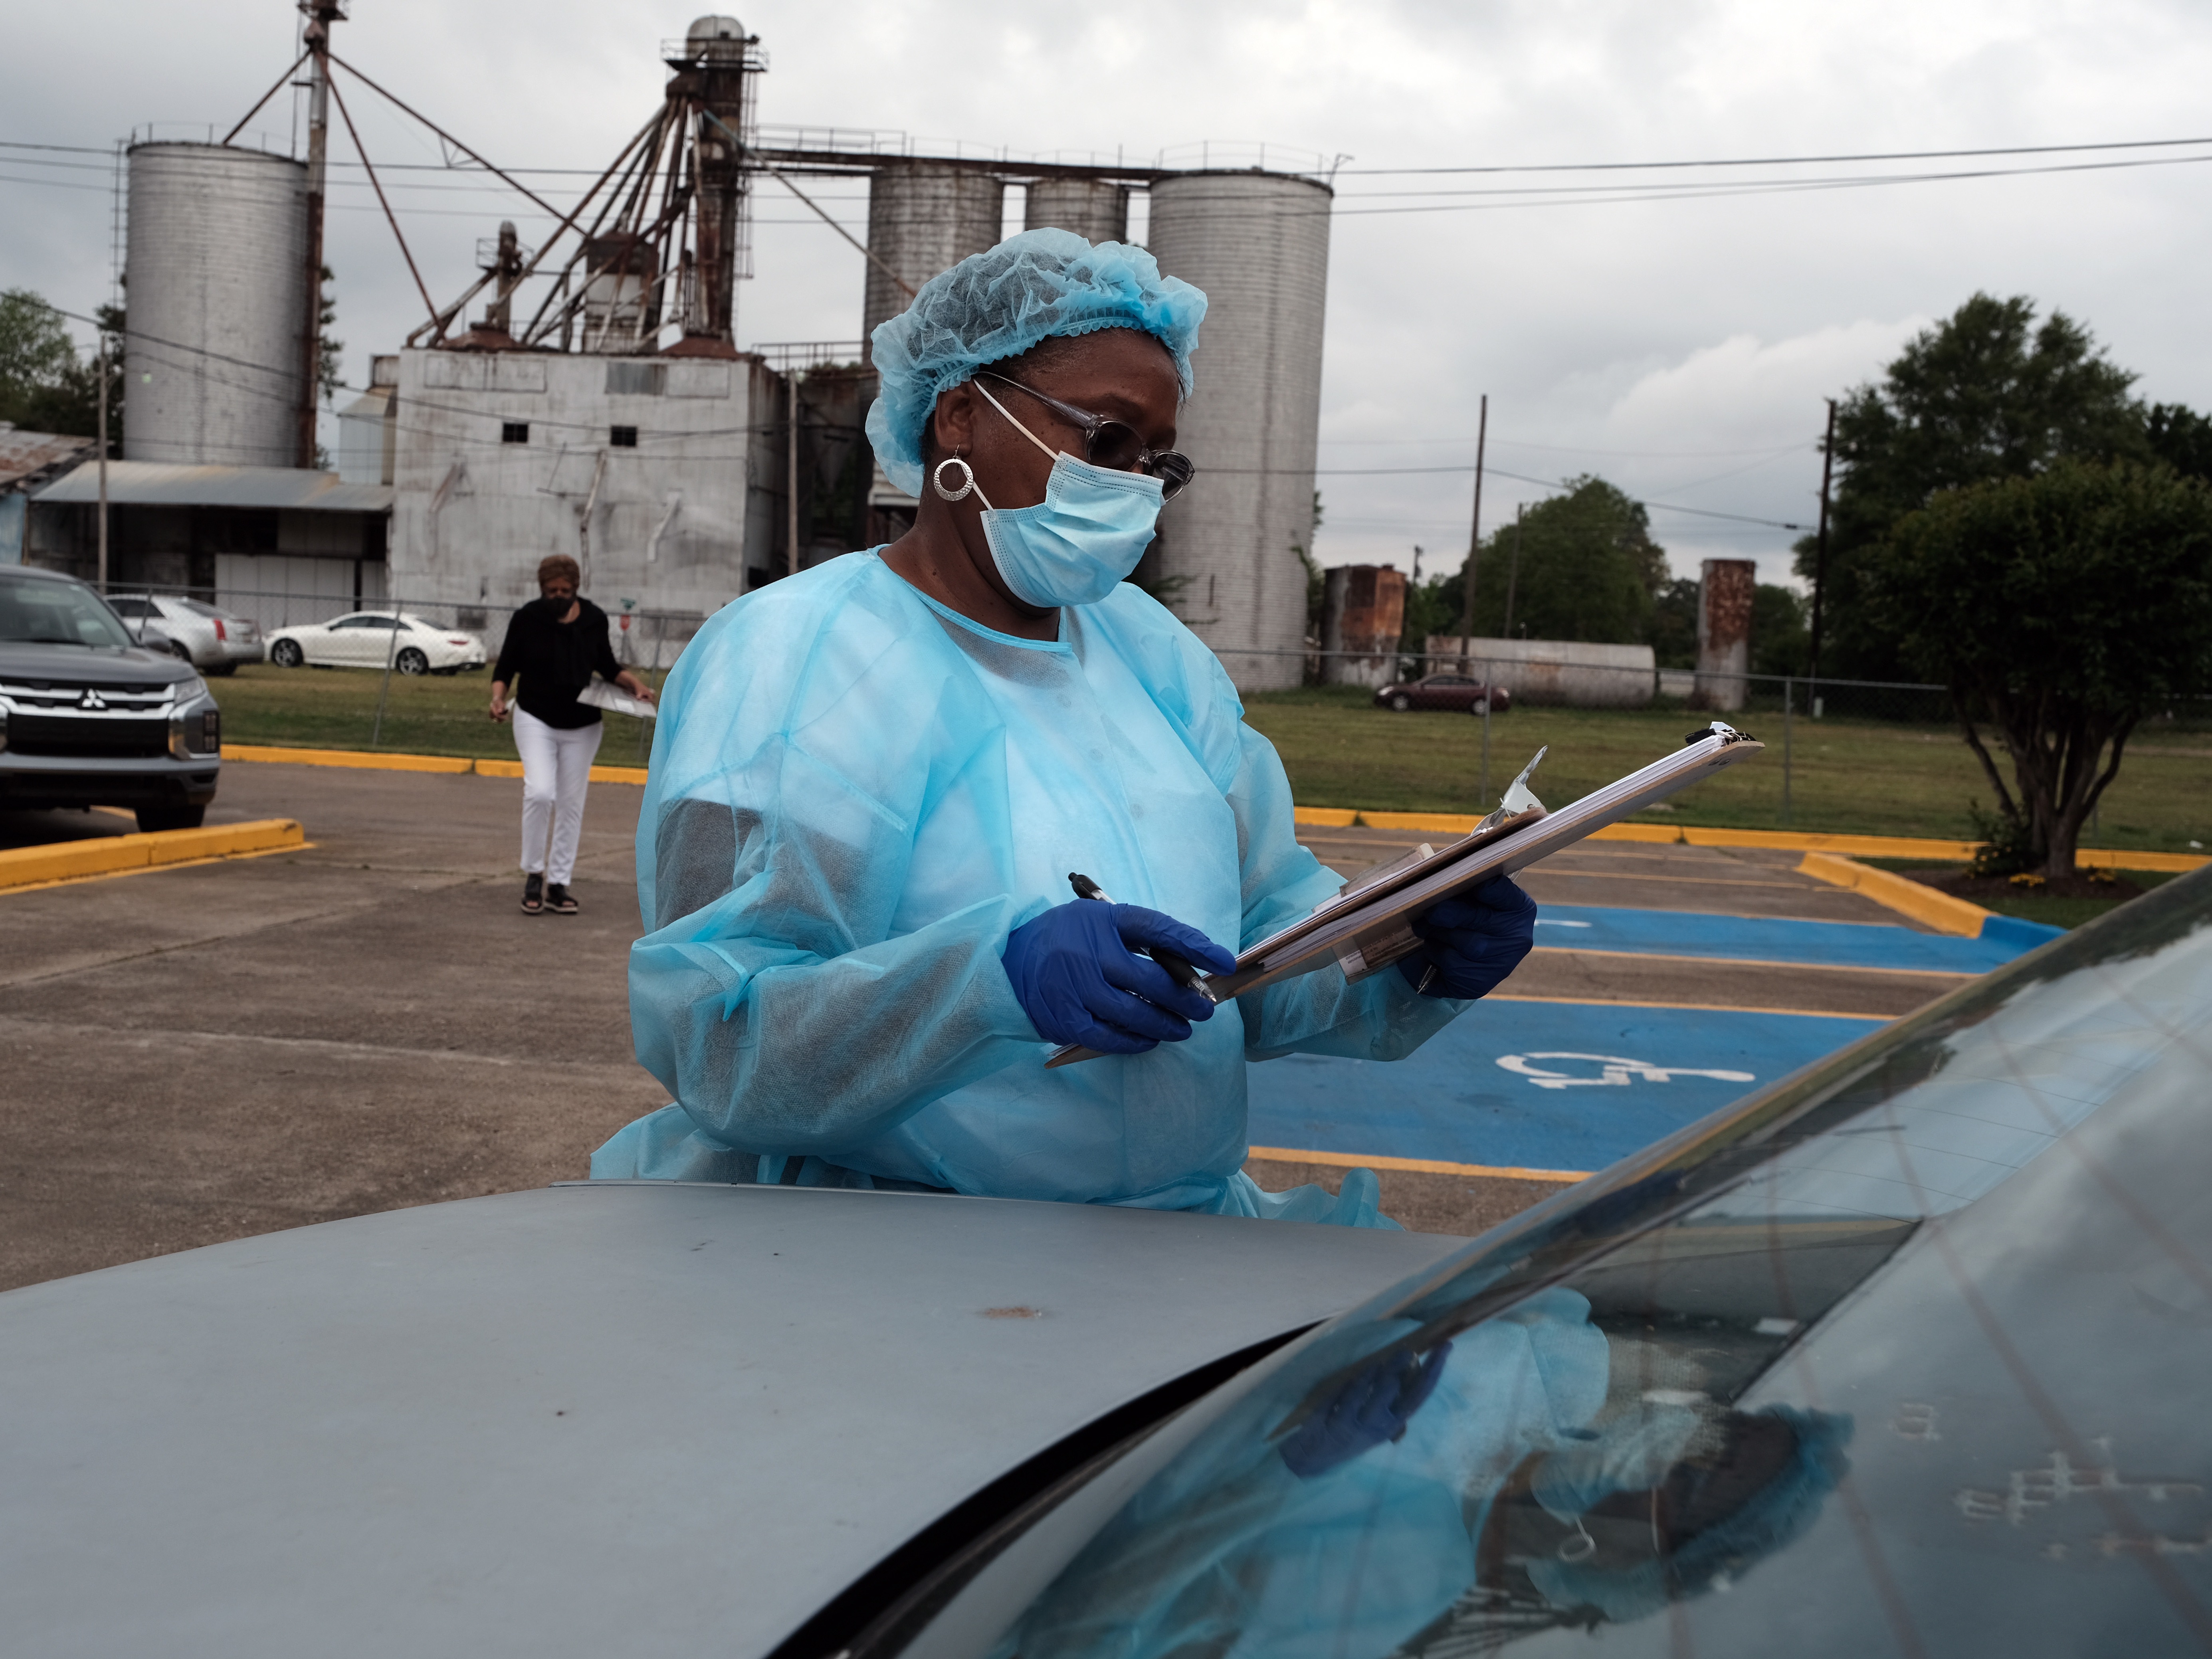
x: 555, y: 608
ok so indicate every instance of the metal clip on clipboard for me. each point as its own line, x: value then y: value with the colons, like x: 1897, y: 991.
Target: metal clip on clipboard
x: 1368, y: 925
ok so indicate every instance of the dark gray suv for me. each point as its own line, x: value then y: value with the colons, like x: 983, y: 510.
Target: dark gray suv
x: 89, y: 718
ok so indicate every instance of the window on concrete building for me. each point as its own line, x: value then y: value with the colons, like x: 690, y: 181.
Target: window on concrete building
x: 515, y: 431
x: 623, y: 437
x: 637, y: 379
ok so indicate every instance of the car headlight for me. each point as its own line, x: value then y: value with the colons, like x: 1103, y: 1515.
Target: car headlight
x: 186, y: 689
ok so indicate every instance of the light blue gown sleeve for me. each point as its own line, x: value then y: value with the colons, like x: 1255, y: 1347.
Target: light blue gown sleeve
x: 783, y: 993
x: 1381, y: 1018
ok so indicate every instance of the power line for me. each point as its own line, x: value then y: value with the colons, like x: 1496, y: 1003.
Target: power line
x: 1790, y: 160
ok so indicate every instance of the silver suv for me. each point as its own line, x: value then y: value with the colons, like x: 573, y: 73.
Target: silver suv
x: 89, y: 718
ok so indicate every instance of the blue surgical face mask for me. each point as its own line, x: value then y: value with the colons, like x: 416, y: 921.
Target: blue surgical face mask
x: 1088, y: 532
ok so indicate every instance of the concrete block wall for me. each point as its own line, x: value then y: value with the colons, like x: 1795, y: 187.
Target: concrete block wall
x: 1564, y: 671
x: 670, y: 523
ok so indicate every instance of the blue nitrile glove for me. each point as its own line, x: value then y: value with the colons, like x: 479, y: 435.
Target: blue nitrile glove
x: 1075, y: 975
x: 1374, y: 1406
x: 1472, y: 942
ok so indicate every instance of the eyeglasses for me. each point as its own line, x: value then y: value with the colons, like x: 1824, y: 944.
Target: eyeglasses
x: 1107, y: 443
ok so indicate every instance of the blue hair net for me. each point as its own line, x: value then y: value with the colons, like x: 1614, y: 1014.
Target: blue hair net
x: 998, y: 304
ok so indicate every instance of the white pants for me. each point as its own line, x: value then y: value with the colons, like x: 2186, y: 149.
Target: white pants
x: 556, y: 764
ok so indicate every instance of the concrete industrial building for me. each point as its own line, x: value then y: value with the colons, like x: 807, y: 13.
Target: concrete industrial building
x: 597, y: 404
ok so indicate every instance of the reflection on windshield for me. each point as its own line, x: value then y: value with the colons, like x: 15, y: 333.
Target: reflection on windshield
x: 1904, y: 1356
x: 56, y: 613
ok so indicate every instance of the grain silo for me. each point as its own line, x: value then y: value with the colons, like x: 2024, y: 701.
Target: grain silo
x: 215, y: 294
x: 1094, y: 209
x: 1258, y: 244
x: 922, y: 220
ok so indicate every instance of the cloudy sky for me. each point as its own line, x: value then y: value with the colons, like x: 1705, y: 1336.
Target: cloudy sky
x: 1635, y: 324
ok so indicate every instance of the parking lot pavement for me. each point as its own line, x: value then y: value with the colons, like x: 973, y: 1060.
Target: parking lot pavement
x: 204, y: 1052
x: 1667, y: 981
x: 199, y: 1053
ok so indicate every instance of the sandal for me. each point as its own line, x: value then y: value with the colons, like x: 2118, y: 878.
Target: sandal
x: 559, y: 900
x: 534, y: 895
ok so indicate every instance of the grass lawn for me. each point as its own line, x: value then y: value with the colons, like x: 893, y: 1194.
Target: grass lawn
x: 428, y: 714
x: 1853, y: 776
x: 1868, y: 777
x: 2030, y: 906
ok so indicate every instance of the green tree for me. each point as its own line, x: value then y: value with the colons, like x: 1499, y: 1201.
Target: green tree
x: 36, y: 352
x: 2061, y: 609
x: 2181, y: 438
x: 45, y: 385
x: 1988, y: 393
x: 1781, y: 635
x: 1587, y: 569
x: 1672, y: 633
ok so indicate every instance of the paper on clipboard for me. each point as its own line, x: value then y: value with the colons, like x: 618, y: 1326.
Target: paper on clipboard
x: 600, y: 694
x: 1367, y: 926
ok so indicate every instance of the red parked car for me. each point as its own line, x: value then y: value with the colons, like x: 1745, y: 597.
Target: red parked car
x: 1445, y: 691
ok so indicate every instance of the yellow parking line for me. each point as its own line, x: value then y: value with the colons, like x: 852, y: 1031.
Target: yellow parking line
x: 150, y: 869
x: 1413, y: 1165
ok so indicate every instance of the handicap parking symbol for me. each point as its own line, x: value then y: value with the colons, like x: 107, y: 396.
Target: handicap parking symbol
x: 1615, y: 1071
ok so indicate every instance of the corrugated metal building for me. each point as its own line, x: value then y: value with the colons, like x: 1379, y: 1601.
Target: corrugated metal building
x: 255, y: 539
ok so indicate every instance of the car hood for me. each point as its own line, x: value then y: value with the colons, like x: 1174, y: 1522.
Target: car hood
x: 75, y: 664
x: 613, y: 1417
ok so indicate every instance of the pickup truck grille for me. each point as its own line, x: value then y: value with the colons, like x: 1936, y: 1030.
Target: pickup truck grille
x: 105, y: 737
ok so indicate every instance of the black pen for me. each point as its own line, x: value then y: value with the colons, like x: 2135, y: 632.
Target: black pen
x: 1182, y: 970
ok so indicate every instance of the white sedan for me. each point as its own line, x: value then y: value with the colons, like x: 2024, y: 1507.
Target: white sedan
x: 366, y: 639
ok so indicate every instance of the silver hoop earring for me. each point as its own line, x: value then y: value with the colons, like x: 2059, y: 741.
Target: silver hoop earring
x: 967, y: 479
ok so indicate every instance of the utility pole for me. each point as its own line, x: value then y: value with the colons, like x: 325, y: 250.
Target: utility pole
x: 791, y: 478
x: 1821, y: 549
x: 102, y: 360
x: 1475, y: 534
x: 320, y: 14
x: 1513, y: 575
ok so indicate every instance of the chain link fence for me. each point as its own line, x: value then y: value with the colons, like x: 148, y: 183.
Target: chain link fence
x: 321, y: 670
x: 324, y: 670
x: 1838, y: 735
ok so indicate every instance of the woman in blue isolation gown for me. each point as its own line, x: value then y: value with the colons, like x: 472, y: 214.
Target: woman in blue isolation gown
x: 871, y: 782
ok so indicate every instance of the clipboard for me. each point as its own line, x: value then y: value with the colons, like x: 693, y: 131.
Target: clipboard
x: 1367, y: 926
x: 600, y: 694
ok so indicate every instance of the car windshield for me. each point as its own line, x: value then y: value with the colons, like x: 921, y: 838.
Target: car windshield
x: 35, y: 610
x: 1905, y: 1355
x: 200, y: 607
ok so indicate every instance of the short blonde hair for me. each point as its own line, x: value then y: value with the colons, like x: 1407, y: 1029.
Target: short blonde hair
x: 556, y: 565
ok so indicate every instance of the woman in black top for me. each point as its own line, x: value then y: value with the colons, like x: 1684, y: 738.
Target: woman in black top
x: 555, y: 644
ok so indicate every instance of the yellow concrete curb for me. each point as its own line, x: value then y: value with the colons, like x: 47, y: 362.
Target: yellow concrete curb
x: 2106, y: 857
x: 452, y: 765
x: 1786, y: 841
x: 1450, y: 824
x: 1939, y: 910
x: 102, y: 855
x: 349, y: 757
x: 1413, y: 1165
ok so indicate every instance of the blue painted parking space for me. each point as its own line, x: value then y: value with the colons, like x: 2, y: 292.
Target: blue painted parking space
x: 1541, y: 1085
x: 1774, y: 938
